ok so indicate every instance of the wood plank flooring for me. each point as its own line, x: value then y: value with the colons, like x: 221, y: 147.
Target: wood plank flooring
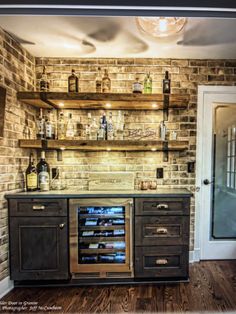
x: 212, y: 288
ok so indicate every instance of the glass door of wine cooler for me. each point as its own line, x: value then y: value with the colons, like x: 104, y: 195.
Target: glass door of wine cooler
x: 101, y: 236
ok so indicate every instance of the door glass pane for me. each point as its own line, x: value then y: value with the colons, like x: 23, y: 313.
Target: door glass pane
x: 224, y: 174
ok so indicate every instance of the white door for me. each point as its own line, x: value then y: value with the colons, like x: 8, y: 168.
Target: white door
x: 216, y: 173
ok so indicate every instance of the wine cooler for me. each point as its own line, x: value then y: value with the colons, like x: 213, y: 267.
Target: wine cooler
x: 101, y: 237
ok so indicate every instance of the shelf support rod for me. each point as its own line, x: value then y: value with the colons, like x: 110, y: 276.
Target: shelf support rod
x: 166, y: 107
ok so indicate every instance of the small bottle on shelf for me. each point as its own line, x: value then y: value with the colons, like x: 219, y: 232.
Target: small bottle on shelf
x: 70, y: 129
x: 106, y: 83
x: 31, y: 176
x: 49, y: 134
x: 44, y: 84
x: 40, y: 124
x: 98, y: 81
x: 101, y: 130
x: 61, y: 127
x: 166, y: 83
x: 43, y: 171
x: 93, y: 130
x: 88, y: 126
x: 163, y: 131
x: 148, y: 84
x: 110, y: 128
x: 104, y: 125
x: 137, y: 86
x: 73, y: 82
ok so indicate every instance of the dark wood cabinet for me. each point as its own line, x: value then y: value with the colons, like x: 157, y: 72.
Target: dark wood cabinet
x: 161, y: 237
x: 38, y: 244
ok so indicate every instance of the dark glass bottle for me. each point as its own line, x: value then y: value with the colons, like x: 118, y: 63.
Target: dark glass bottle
x: 166, y: 84
x: 31, y: 176
x: 73, y: 82
x: 43, y: 171
x: 44, y: 84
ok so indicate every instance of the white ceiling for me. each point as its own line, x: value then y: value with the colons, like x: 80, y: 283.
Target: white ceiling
x: 74, y: 36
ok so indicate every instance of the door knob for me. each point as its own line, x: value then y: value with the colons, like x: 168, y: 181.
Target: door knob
x: 207, y: 182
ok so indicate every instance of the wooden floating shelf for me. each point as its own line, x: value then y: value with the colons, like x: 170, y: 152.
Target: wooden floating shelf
x: 124, y: 145
x: 62, y: 100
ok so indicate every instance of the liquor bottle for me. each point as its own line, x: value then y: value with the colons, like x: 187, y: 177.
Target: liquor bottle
x: 40, y: 122
x: 70, y: 130
x: 120, y: 126
x: 49, y: 133
x: 162, y: 131
x: 61, y: 127
x: 104, y: 125
x: 106, y: 83
x: 99, y: 81
x: 166, y: 84
x: 43, y: 171
x: 93, y: 130
x: 137, y: 86
x: 44, y: 84
x: 73, y: 82
x: 148, y: 84
x: 101, y: 130
x: 110, y: 128
x: 31, y: 176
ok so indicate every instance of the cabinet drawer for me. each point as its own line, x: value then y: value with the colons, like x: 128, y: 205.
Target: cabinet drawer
x: 161, y: 230
x: 161, y: 261
x: 38, y: 207
x: 161, y: 206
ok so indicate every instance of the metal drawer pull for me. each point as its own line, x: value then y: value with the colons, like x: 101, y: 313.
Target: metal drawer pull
x: 162, y: 206
x: 61, y: 226
x: 38, y: 207
x: 161, y: 261
x: 162, y: 231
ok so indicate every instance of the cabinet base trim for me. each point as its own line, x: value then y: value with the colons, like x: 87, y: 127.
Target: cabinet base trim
x: 6, y: 285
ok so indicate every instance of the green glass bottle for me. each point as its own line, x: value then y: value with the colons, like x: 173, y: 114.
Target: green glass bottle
x: 148, y: 84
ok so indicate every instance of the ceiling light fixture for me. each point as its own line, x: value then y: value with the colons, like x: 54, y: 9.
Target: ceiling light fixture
x: 160, y: 26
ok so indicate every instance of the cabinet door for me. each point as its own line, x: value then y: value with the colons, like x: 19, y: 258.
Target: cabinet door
x: 38, y: 248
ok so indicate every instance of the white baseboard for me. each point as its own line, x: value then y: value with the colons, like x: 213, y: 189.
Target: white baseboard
x: 194, y: 256
x: 6, y: 285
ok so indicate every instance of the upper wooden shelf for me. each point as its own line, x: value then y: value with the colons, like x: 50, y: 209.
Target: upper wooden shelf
x: 124, y: 145
x: 62, y: 100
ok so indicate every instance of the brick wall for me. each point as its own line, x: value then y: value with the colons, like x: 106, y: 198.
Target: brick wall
x: 186, y: 75
x: 17, y: 72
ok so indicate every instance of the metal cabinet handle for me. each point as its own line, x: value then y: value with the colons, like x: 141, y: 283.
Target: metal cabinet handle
x: 162, y: 206
x: 61, y: 226
x: 38, y: 207
x: 161, y: 231
x: 161, y: 261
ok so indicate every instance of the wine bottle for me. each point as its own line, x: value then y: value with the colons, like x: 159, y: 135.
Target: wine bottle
x: 43, y: 171
x: 106, y: 83
x: 44, y: 84
x: 31, y: 175
x: 99, y: 81
x: 166, y: 84
x: 73, y: 82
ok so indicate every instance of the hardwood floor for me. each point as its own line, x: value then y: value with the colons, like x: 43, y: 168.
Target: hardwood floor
x: 212, y: 288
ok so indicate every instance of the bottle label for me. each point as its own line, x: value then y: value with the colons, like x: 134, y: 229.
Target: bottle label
x: 48, y: 130
x: 31, y: 181
x: 98, y: 86
x: 44, y: 181
x: 72, y: 85
x: 137, y: 87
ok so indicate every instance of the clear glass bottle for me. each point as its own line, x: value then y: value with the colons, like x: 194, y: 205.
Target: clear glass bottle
x: 106, y: 83
x: 110, y: 128
x: 70, y: 129
x: 61, y: 127
x: 49, y: 134
x: 120, y: 126
x: 93, y: 130
x: 73, y: 82
x: 88, y: 126
x: 148, y: 84
x: 44, y: 83
x: 163, y: 131
x: 137, y: 86
x: 40, y: 125
x: 98, y: 81
x: 101, y: 130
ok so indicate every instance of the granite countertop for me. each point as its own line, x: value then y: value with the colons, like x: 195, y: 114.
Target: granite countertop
x: 86, y: 194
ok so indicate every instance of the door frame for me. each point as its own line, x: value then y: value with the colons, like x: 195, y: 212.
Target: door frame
x: 206, y: 94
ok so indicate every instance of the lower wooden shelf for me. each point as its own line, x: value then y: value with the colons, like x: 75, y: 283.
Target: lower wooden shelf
x: 115, y: 145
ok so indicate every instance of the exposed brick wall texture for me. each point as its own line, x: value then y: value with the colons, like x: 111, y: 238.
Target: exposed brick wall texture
x: 186, y: 75
x: 17, y: 72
